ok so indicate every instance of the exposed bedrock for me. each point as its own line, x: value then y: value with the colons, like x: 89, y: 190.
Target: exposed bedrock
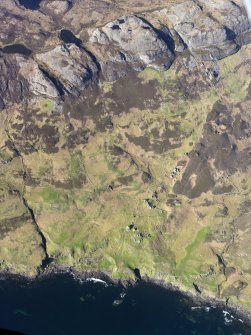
x: 228, y: 13
x: 64, y: 69
x: 12, y: 88
x: 71, y: 65
x: 58, y: 7
x: 130, y: 43
x: 38, y: 82
x: 21, y: 76
x: 210, y: 29
x: 233, y: 16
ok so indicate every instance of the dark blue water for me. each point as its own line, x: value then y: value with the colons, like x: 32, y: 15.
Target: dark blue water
x: 61, y: 305
x: 68, y: 37
x: 16, y: 49
x: 30, y: 4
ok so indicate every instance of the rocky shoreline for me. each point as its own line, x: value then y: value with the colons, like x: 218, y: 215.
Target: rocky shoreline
x: 99, y: 276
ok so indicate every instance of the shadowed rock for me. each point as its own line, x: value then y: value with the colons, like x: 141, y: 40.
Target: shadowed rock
x: 13, y: 89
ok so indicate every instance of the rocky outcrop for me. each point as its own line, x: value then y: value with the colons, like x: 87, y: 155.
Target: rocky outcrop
x: 204, y: 36
x: 130, y: 43
x: 64, y: 69
x: 209, y: 30
x: 39, y: 84
x: 73, y: 67
x: 228, y: 14
x: 13, y: 89
x: 20, y: 78
x: 232, y: 16
x: 58, y: 7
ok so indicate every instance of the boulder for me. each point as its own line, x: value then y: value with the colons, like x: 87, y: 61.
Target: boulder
x: 72, y: 66
x: 130, y: 43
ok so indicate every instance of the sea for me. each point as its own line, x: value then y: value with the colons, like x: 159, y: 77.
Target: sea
x: 61, y: 305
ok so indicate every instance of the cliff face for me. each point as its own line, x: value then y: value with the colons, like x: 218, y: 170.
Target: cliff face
x: 125, y: 141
